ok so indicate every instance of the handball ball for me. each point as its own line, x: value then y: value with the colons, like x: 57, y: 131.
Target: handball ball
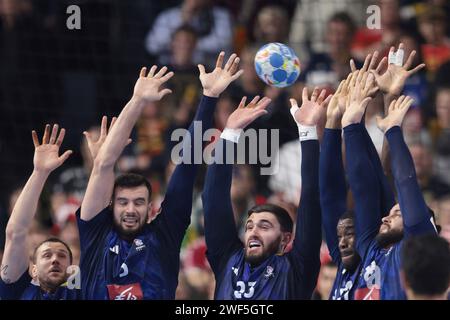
x: 277, y: 65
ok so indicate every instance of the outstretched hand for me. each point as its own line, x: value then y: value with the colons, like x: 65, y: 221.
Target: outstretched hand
x: 396, y: 113
x: 147, y: 86
x: 215, y: 82
x: 94, y: 146
x: 312, y: 110
x: 361, y: 87
x: 336, y: 107
x: 46, y: 158
x: 244, y: 115
x: 393, y: 80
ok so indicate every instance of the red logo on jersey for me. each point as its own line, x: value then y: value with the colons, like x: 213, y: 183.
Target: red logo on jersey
x: 125, y: 292
x: 367, y: 294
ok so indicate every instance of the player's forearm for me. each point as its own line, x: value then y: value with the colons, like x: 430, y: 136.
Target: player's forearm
x: 332, y: 187
x: 15, y: 258
x: 309, y: 223
x: 412, y: 203
x: 26, y: 206
x: 118, y: 136
x: 388, y: 198
x: 364, y: 185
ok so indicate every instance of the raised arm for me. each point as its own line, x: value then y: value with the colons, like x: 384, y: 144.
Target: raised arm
x: 220, y: 227
x: 415, y: 213
x: 361, y: 173
x: 46, y: 159
x: 177, y: 205
x: 391, y: 84
x: 101, y: 182
x: 333, y: 189
x: 308, y: 235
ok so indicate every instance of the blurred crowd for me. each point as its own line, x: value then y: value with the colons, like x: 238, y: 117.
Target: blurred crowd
x: 51, y: 74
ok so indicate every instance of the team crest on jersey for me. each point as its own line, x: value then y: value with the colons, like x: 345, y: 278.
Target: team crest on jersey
x: 139, y: 244
x: 115, y: 249
x: 372, y: 278
x: 269, y: 272
x: 125, y: 292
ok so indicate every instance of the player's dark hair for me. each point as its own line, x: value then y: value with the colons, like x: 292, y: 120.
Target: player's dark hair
x: 281, y: 214
x: 51, y: 240
x: 350, y: 214
x: 426, y: 264
x: 131, y: 180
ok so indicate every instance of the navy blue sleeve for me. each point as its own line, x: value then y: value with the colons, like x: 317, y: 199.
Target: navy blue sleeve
x: 364, y: 185
x: 333, y: 189
x: 94, y: 231
x: 308, y: 234
x: 220, y: 228
x: 387, y: 197
x: 14, y: 291
x: 416, y: 217
x: 176, y: 208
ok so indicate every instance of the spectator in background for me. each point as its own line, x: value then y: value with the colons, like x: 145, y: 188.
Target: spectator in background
x: 416, y: 86
x: 326, y: 69
x: 325, y: 281
x: 369, y: 40
x: 185, y: 85
x: 442, y: 136
x: 432, y: 25
x: 286, y: 182
x: 308, y: 27
x: 243, y: 195
x: 425, y: 270
x: 212, y: 24
x: 271, y: 25
x: 413, y: 128
x: 431, y: 184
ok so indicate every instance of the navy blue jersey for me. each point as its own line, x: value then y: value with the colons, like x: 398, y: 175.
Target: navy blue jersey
x: 26, y: 289
x: 112, y: 268
x: 148, y: 267
x: 345, y: 283
x: 379, y: 277
x: 289, y: 276
x: 277, y: 278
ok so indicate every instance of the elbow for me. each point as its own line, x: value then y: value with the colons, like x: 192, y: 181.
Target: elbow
x: 14, y: 233
x: 103, y: 163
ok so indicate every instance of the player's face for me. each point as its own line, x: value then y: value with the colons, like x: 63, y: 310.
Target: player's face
x: 263, y: 237
x: 391, y: 229
x: 52, y: 261
x: 131, y: 210
x: 346, y: 238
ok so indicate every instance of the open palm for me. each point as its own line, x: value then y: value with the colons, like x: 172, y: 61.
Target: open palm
x: 244, y: 115
x: 46, y: 155
x: 215, y: 82
x: 312, y: 110
x: 393, y: 80
x: 396, y: 112
x: 147, y: 87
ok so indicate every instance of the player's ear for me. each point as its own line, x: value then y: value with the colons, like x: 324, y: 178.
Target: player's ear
x: 34, y: 272
x: 151, y: 213
x: 286, y: 237
x: 403, y: 280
